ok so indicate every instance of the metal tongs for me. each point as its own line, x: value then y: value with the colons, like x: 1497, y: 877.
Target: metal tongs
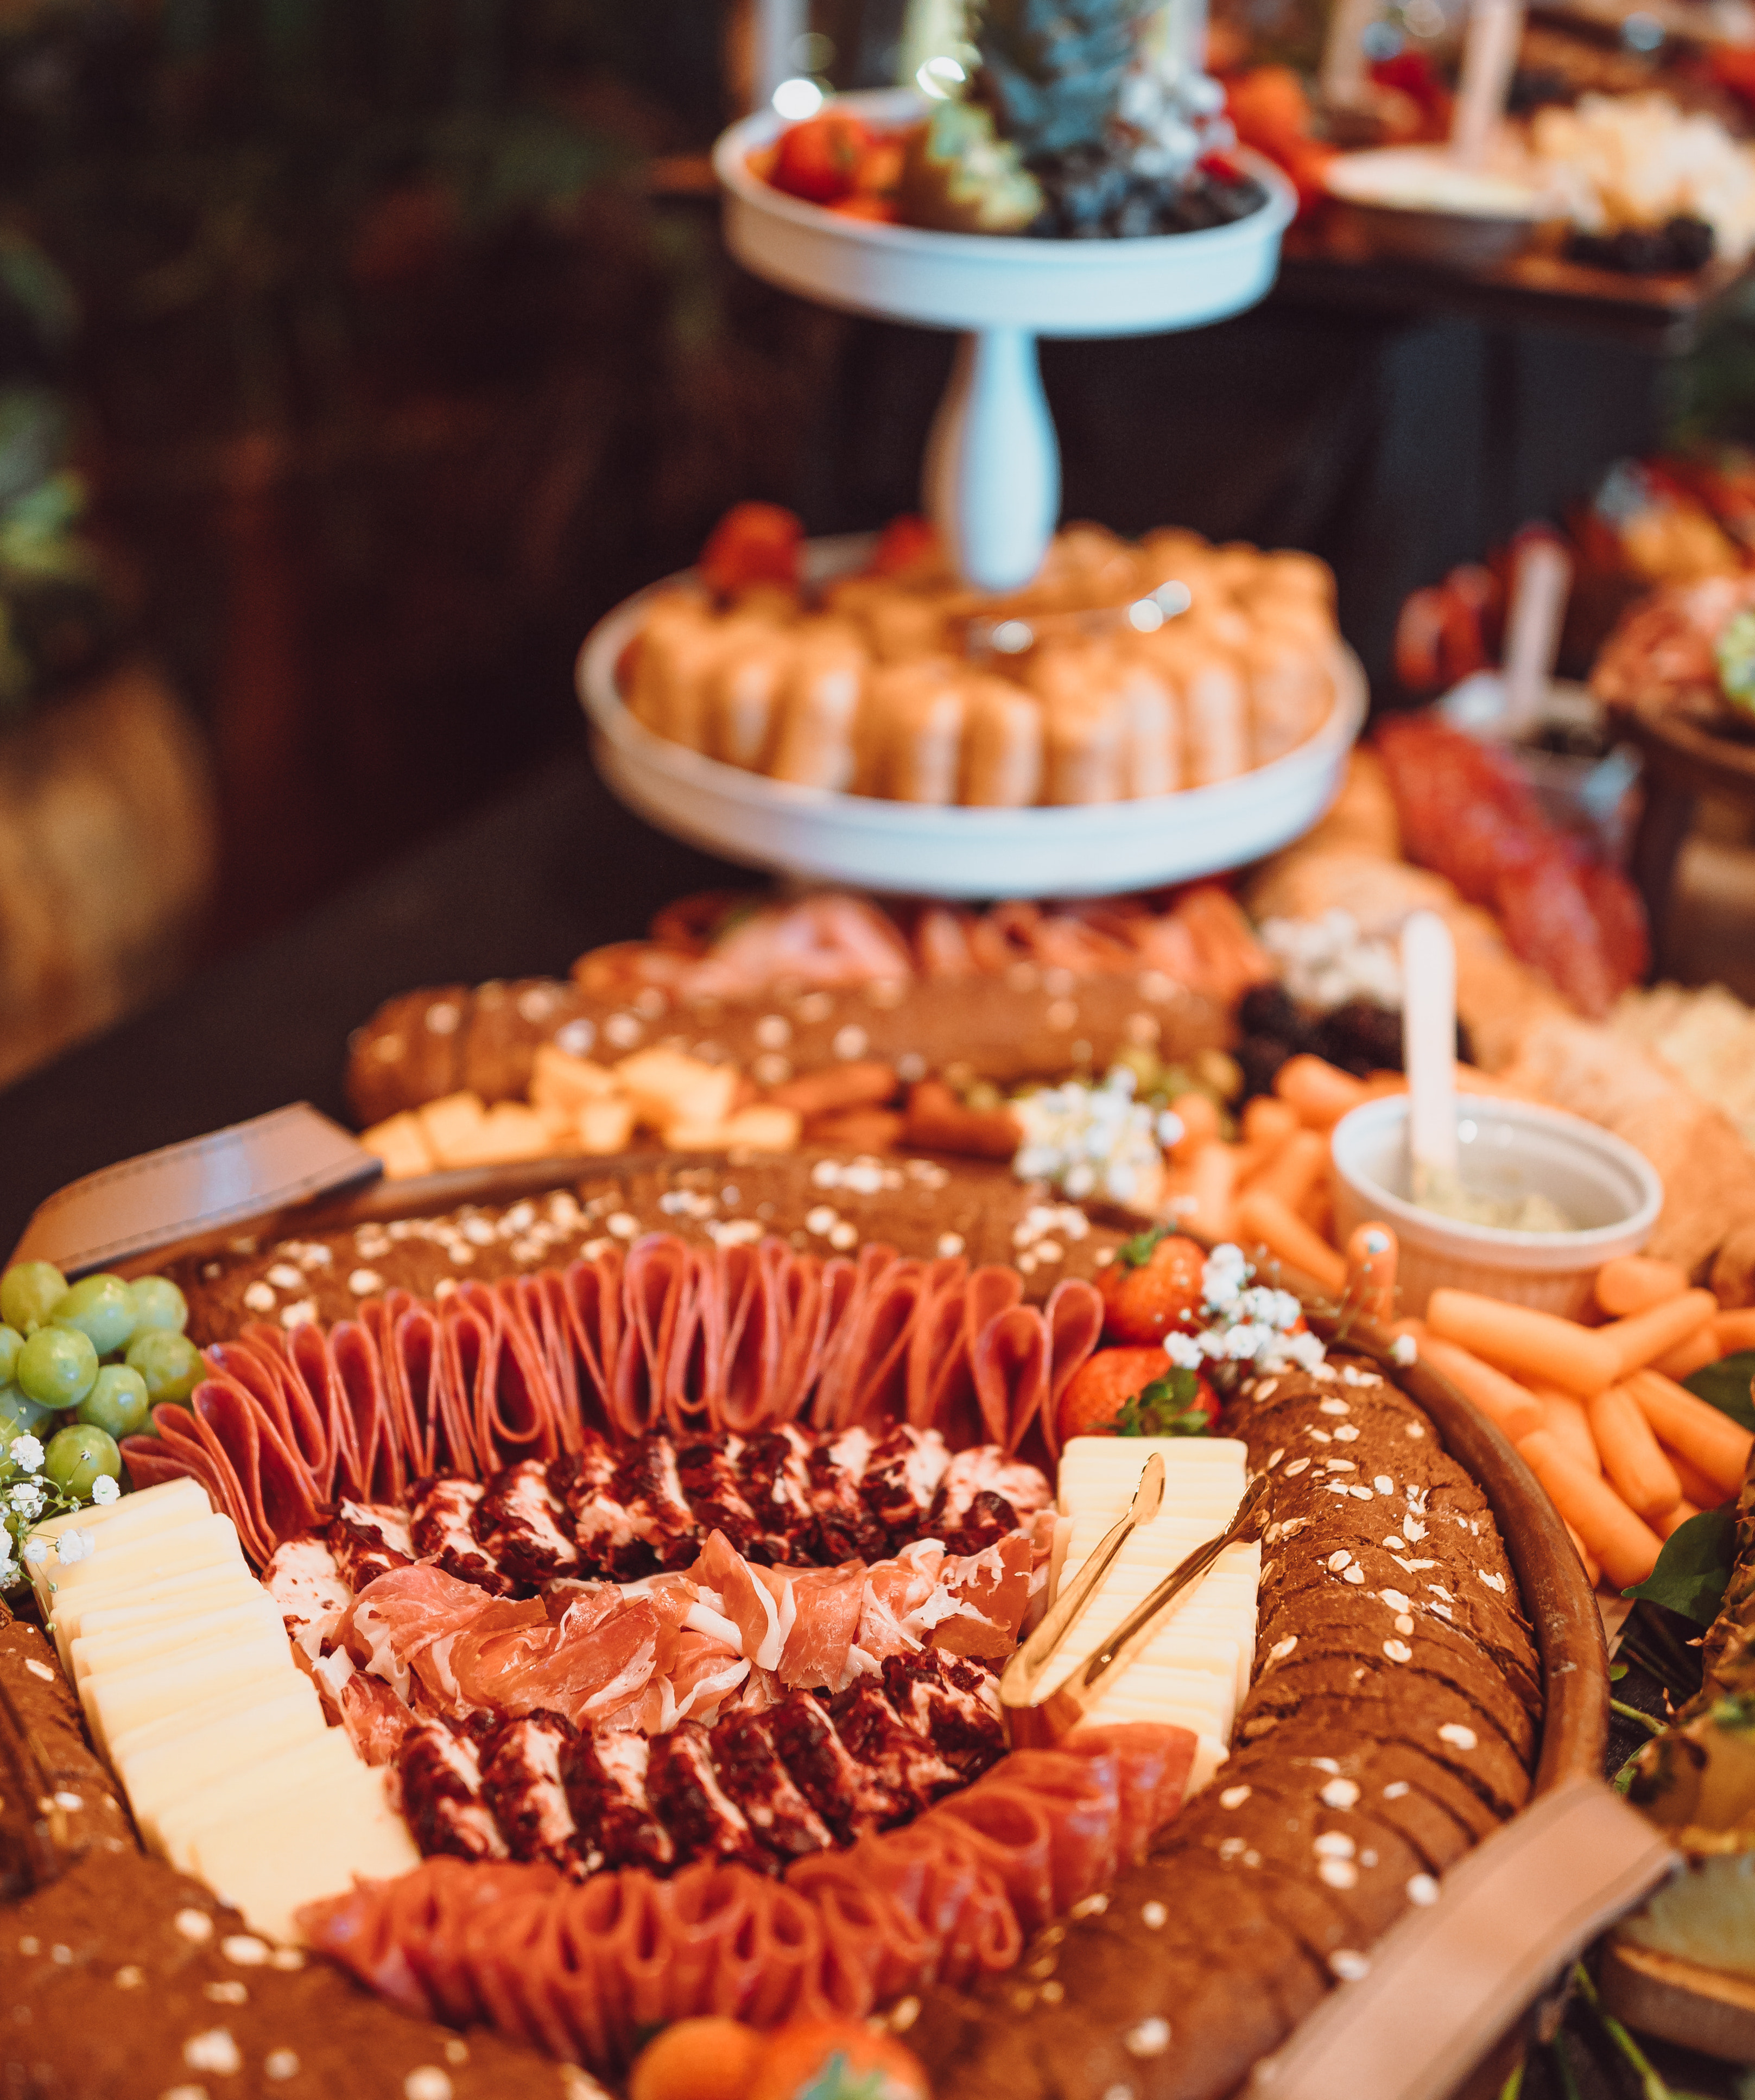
x: 1034, y: 1724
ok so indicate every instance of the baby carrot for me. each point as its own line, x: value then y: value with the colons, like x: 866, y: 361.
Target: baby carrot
x: 1658, y: 1329
x: 1268, y: 1123
x: 1371, y: 1256
x: 1200, y: 1123
x: 1700, y: 1349
x: 1593, y: 1567
x: 1735, y: 1331
x: 1710, y: 1441
x: 1322, y: 1093
x: 1565, y: 1419
x: 1632, y: 1281
x: 1269, y: 1218
x: 1631, y: 1456
x: 1296, y: 1168
x: 1696, y: 1487
x: 1673, y: 1521
x: 1515, y: 1410
x: 1207, y: 1178
x: 1537, y: 1345
x: 1626, y: 1545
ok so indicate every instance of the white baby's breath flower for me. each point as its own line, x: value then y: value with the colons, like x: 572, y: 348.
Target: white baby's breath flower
x: 26, y: 1497
x: 1404, y: 1351
x: 74, y: 1545
x: 26, y: 1452
x: 1306, y: 1351
x: 36, y: 1551
x: 105, y: 1490
x: 1184, y: 1350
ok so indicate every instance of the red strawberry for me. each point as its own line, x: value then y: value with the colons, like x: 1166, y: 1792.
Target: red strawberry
x: 1135, y: 1392
x: 1152, y: 1287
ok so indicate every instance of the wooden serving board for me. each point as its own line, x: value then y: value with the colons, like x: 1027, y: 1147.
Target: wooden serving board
x: 1708, y: 2009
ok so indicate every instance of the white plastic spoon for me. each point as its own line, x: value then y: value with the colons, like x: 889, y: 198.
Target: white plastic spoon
x: 1533, y: 631
x: 1429, y: 1049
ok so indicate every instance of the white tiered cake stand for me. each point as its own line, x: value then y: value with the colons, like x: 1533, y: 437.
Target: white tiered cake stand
x: 992, y: 477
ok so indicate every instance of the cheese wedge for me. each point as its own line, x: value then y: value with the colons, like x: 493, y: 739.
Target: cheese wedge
x: 283, y: 1854
x: 316, y: 1765
x: 121, y: 1700
x: 195, y: 1589
x: 93, y: 1654
x: 163, y: 1776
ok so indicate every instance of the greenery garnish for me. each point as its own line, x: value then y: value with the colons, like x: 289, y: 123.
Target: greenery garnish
x: 1694, y: 1567
x: 1169, y: 1406
x: 1136, y: 1252
x: 1724, y: 1385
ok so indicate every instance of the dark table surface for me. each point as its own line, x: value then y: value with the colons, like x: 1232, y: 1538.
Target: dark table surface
x: 554, y: 866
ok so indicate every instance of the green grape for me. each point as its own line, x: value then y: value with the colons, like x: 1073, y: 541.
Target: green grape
x: 158, y: 1303
x: 57, y: 1367
x: 102, y: 1308
x: 170, y: 1364
x: 117, y: 1403
x: 10, y: 1342
x: 77, y: 1456
x: 28, y: 1291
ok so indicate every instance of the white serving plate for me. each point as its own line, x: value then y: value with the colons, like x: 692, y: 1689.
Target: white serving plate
x: 976, y: 280
x: 916, y: 850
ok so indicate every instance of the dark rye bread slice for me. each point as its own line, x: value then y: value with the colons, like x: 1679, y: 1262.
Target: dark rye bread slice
x: 121, y: 1979
x: 1355, y: 1776
x: 823, y: 1201
x: 1030, y: 1023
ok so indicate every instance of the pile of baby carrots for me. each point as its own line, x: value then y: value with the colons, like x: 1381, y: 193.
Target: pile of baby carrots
x: 1624, y: 1451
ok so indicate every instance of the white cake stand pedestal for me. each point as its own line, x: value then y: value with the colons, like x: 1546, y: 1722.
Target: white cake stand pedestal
x: 992, y: 476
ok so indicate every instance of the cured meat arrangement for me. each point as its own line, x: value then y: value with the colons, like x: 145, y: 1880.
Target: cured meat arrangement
x: 581, y: 1971
x: 734, y: 1340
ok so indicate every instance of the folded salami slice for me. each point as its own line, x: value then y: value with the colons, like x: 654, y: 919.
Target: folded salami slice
x: 745, y: 1354
x: 871, y: 1947
x: 1078, y: 1794
x: 593, y: 1291
x: 938, y: 1382
x: 865, y: 1378
x: 411, y: 1344
x: 1012, y: 1831
x: 1152, y: 1762
x: 933, y: 1872
x: 1009, y: 1361
x: 760, y: 1980
x: 468, y: 1353
x: 260, y: 1361
x: 522, y: 1990
x: 370, y: 1467
x: 520, y: 1416
x: 1074, y: 1314
x: 659, y: 1318
x: 226, y: 1437
x: 801, y: 1312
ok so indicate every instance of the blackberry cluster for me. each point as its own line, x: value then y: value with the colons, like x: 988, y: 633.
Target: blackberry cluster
x: 1680, y: 246
x: 1093, y: 195
x: 1359, y: 1037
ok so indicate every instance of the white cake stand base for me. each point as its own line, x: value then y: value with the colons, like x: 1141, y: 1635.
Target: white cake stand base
x: 992, y: 479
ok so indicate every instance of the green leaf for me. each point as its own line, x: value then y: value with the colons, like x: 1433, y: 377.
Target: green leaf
x: 1170, y: 1406
x: 1724, y: 1385
x: 1136, y: 1252
x: 1694, y: 1567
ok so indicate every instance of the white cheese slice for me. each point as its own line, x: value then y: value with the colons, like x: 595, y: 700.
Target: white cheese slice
x: 147, y: 1510
x: 315, y: 1764
x: 208, y: 1541
x: 161, y: 1776
x: 195, y: 1589
x: 93, y: 1653
x: 283, y: 1854
x: 181, y: 1724
x: 121, y: 1700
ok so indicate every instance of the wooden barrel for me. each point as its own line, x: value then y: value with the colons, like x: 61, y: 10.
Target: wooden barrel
x: 108, y: 848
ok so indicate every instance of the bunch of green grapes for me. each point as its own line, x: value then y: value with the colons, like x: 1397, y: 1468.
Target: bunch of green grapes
x: 99, y: 1354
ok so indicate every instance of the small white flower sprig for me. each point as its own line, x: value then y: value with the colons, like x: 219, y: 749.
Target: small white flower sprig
x: 28, y: 1501
x: 1095, y: 1140
x: 1247, y: 1323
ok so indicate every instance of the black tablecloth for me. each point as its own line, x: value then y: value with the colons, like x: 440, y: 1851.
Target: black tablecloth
x: 554, y: 866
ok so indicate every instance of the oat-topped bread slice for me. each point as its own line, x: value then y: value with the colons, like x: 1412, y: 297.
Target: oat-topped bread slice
x: 820, y: 1202
x: 1389, y: 1726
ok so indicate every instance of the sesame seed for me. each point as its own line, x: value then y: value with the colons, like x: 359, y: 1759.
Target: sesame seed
x: 1396, y: 1789
x: 1338, y: 1873
x: 1234, y: 1797
x: 259, y: 1297
x: 279, y: 2063
x: 903, y: 2014
x: 244, y: 1948
x: 1334, y: 1845
x: 1398, y: 1650
x: 1454, y: 1733
x: 1052, y: 1992
x: 426, y: 2081
x: 1339, y: 1794
x: 194, y: 1925
x: 214, y: 2051
x: 130, y: 1977
x: 39, y: 1669
x: 456, y: 2050
x: 1153, y: 1917
x: 1349, y: 1966
x: 1422, y: 1889
x: 1149, y: 2037
x: 226, y: 1993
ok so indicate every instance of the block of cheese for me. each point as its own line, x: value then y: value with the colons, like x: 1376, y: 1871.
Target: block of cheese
x: 93, y: 1653
x: 161, y: 1776
x: 183, y: 1724
x: 208, y: 1541
x: 313, y: 1765
x: 121, y: 1700
x: 281, y: 1855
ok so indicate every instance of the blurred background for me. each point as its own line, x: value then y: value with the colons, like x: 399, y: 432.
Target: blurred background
x: 356, y: 355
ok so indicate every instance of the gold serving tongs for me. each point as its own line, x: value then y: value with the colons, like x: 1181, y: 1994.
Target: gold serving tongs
x: 1018, y: 1685
x: 1036, y: 1726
